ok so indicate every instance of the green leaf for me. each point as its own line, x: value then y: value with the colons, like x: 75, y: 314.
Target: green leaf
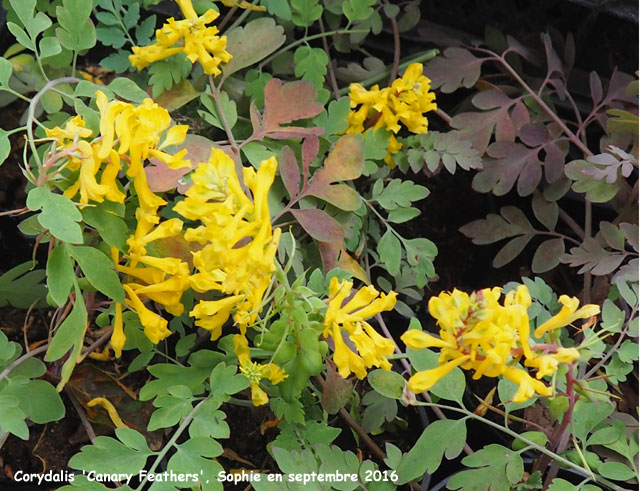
x: 561, y: 485
x: 209, y: 421
x: 128, y: 89
x: 76, y: 31
x: 21, y: 287
x: 107, y: 454
x: 535, y: 436
x: 252, y: 43
x: 224, y: 380
x: 37, y: 399
x: 616, y: 471
x: 5, y: 145
x: 227, y: 105
x: 402, y: 215
x: 70, y: 332
x: 311, y: 64
x: 451, y: 386
x: 59, y: 214
x: 196, y: 457
x: 441, y: 438
x: 111, y: 228
x: 12, y: 418
x: 168, y: 375
x: 334, y: 119
x: 279, y: 8
x: 587, y: 415
x: 597, y: 190
x: 99, y: 270
x: 21, y: 36
x: 390, y: 252
x: 379, y: 409
x: 169, y: 413
x: 355, y: 10
x: 6, y: 68
x: 386, y: 382
x: 60, y: 274
x: 497, y: 468
x: 49, y: 46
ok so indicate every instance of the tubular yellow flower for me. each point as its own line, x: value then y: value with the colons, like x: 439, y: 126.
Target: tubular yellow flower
x: 197, y: 41
x: 478, y: 333
x: 155, y: 326
x: 117, y: 337
x: 111, y: 410
x: 371, y: 346
x: 568, y: 313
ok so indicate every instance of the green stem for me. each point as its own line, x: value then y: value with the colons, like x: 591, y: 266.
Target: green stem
x: 422, y: 57
x: 174, y: 438
x: 526, y: 441
x: 305, y: 40
x: 32, y: 110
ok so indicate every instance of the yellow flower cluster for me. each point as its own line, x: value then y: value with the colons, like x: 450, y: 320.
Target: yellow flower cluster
x: 404, y: 102
x: 478, y: 333
x: 190, y: 36
x: 238, y: 244
x: 371, y: 346
x: 255, y: 372
x: 137, y: 132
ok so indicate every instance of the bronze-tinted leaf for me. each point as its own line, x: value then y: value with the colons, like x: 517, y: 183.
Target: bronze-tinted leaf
x: 512, y: 162
x: 336, y: 392
x: 533, y: 134
x: 510, y: 250
x: 545, y: 211
x: 339, y: 195
x: 289, y: 171
x: 252, y: 43
x: 176, y: 97
x: 547, y: 255
x: 456, y: 68
x: 345, y: 162
x: 596, y: 88
x: 291, y: 101
x: 319, y: 225
x: 553, y: 162
x: 310, y: 148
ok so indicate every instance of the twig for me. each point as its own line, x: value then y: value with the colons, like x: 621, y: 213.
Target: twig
x: 396, y: 50
x: 98, y: 342
x: 227, y: 18
x: 332, y: 74
x: 82, y: 415
x: 444, y: 116
x: 573, y: 225
x: 23, y: 358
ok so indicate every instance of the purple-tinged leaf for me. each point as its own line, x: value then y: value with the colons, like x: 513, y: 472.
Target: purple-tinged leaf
x: 477, y: 127
x: 490, y: 99
x: 254, y: 114
x: 337, y: 392
x: 545, y: 211
x: 554, y: 64
x: 596, y: 88
x: 456, y: 68
x: 289, y: 171
x: 176, y: 97
x: 630, y: 232
x: 286, y: 132
x: 547, y: 256
x: 617, y: 89
x: 310, y: 147
x: 511, y: 250
x: 612, y: 235
x: 511, y: 222
x: 553, y: 162
x: 517, y: 47
x: 319, y: 225
x: 339, y: 195
x: 533, y: 134
x: 591, y: 256
x: 519, y: 115
x: 334, y: 255
x: 291, y: 101
x: 512, y: 162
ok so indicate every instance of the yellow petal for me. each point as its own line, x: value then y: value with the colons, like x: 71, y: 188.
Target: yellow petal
x: 426, y: 379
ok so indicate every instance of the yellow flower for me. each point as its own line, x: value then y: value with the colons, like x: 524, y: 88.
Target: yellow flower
x: 478, y: 333
x: 371, y: 346
x: 192, y: 37
x: 568, y: 313
x: 155, y: 326
x: 405, y: 102
x: 117, y: 337
x: 255, y: 372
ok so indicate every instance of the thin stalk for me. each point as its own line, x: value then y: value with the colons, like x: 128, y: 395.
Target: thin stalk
x: 396, y: 50
x: 306, y: 39
x: 427, y: 55
x: 332, y: 74
x: 174, y: 438
x: 22, y: 359
x: 32, y: 109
